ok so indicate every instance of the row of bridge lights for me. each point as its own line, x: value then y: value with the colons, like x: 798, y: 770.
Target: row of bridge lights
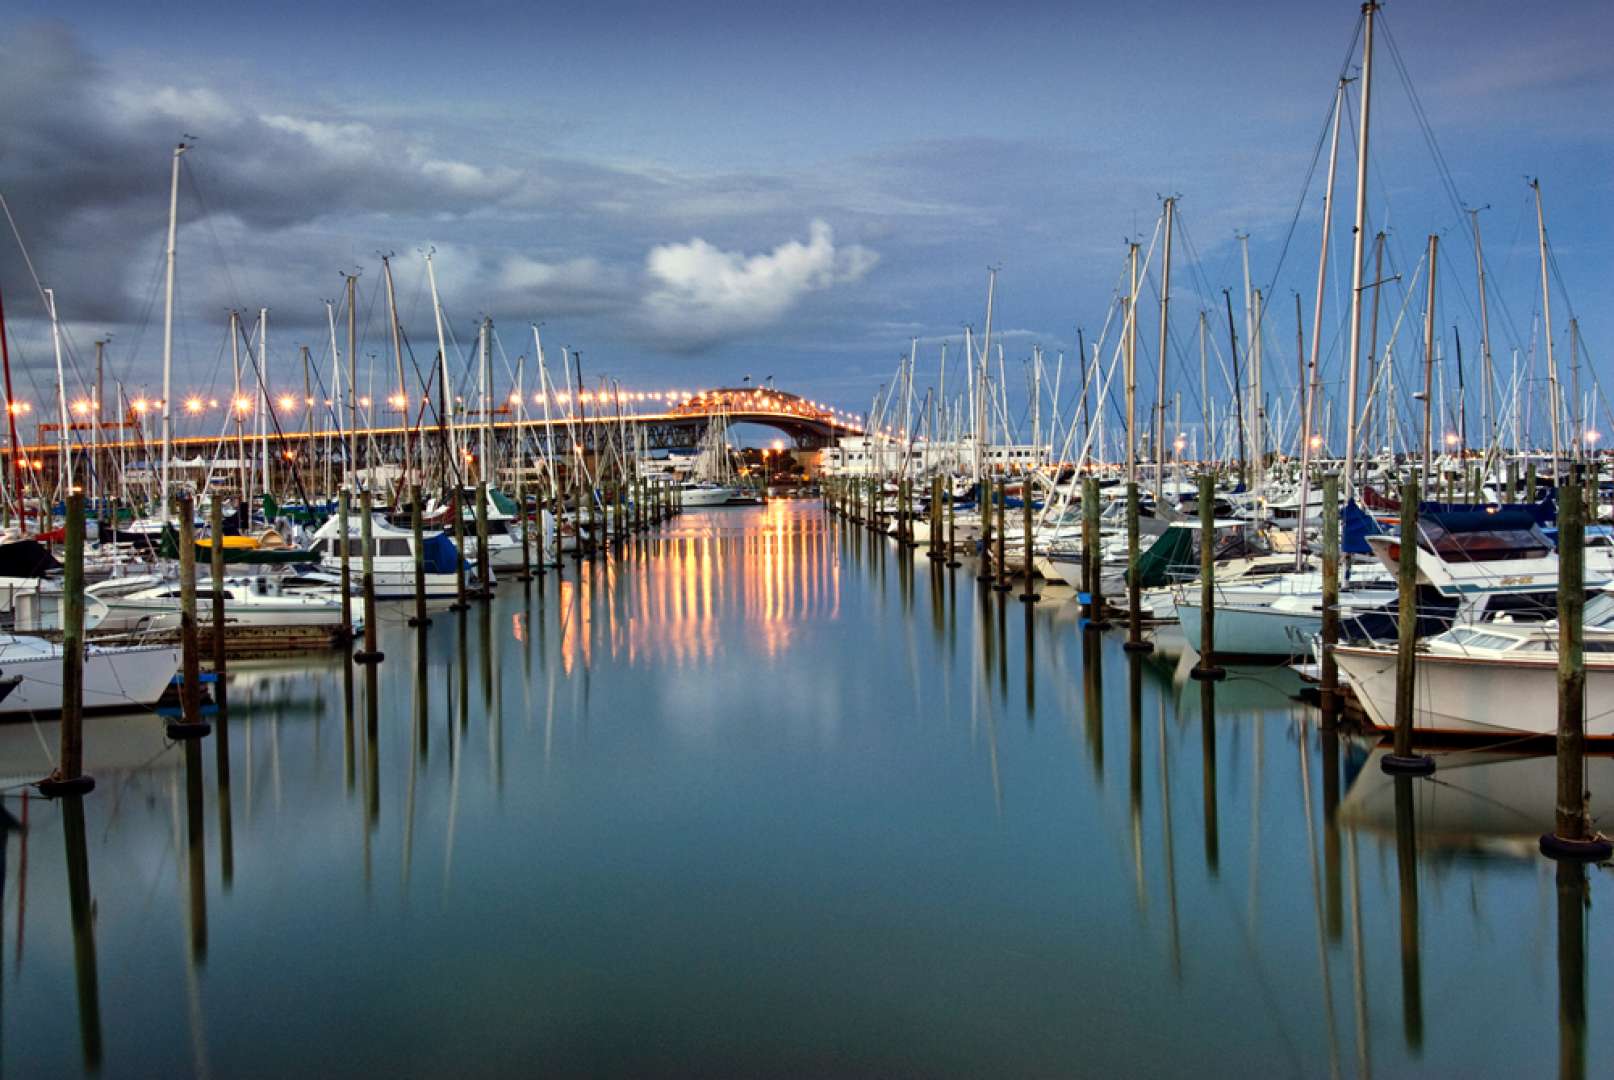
x: 196, y: 405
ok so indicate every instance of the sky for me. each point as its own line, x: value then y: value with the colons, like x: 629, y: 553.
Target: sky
x: 692, y: 193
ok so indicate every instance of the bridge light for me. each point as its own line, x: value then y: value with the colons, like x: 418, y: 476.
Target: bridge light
x: 515, y: 399
x: 287, y: 402
x: 364, y: 401
x: 140, y: 405
x: 81, y: 407
x: 193, y: 405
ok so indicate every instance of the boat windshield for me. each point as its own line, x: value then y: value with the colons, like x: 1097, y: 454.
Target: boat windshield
x: 1599, y: 611
x: 1483, y: 545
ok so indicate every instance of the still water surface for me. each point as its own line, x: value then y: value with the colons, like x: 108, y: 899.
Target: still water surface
x: 767, y: 797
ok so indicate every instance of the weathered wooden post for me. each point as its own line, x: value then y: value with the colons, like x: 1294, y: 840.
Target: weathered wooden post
x: 221, y: 695
x: 526, y: 534
x: 458, y: 512
x: 1572, y: 836
x: 69, y: 777
x: 342, y: 508
x: 1207, y: 667
x: 1134, y: 586
x: 191, y: 724
x: 1002, y: 561
x: 952, y: 525
x: 1328, y: 676
x: 369, y: 654
x: 1093, y: 559
x: 1511, y: 480
x: 1530, y: 481
x: 484, y: 566
x: 984, y: 500
x: 1402, y: 760
x: 1029, y: 594
x: 419, y: 620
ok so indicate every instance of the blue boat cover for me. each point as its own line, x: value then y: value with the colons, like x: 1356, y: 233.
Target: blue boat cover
x: 1358, y: 525
x: 442, y: 557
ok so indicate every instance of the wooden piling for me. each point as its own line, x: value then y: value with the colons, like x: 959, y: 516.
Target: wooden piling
x: 342, y: 508
x: 191, y: 724
x: 1328, y: 676
x: 419, y: 620
x: 1029, y: 594
x: 1134, y: 587
x: 221, y: 699
x: 1207, y: 667
x: 1002, y: 561
x: 1572, y: 836
x: 69, y: 777
x: 984, y: 501
x: 458, y: 512
x: 952, y: 525
x: 1093, y: 559
x: 1402, y: 760
x: 370, y: 654
x: 484, y: 568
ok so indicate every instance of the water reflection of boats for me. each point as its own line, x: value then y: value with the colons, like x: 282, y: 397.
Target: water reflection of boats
x: 1481, y: 800
x: 131, y: 743
x: 1247, y: 688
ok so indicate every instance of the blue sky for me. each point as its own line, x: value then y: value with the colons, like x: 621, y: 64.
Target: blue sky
x: 695, y: 192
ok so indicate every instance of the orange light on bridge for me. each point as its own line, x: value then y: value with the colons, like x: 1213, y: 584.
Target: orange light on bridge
x: 287, y: 402
x: 194, y: 405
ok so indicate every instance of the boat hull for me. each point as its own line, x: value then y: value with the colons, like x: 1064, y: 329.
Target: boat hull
x: 122, y: 679
x: 1468, y: 695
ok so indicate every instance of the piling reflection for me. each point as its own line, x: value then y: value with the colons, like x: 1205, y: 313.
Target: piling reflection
x: 1406, y: 864
x: 81, y: 906
x: 195, y: 852
x: 1093, y: 699
x: 1207, y: 765
x: 1573, y: 901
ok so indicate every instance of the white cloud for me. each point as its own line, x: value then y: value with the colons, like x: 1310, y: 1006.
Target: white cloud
x: 699, y: 294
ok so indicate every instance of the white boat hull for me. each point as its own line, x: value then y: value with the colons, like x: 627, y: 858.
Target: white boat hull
x: 1473, y: 695
x: 114, y: 678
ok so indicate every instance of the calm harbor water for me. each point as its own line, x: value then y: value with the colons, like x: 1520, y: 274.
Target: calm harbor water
x: 767, y: 797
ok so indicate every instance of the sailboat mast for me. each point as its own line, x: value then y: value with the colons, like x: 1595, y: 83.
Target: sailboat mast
x: 64, y: 470
x: 451, y: 448
x: 1131, y: 383
x: 352, y: 381
x: 1313, y: 384
x: 168, y: 327
x: 1485, y: 339
x: 1160, y: 375
x: 1429, y: 362
x: 1546, y: 324
x: 1358, y: 240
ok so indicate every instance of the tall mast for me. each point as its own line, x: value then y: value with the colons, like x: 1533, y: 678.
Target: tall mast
x: 452, y: 447
x: 1131, y: 384
x: 986, y: 359
x: 14, y: 482
x: 397, y: 354
x: 236, y: 402
x: 265, y: 401
x: 336, y: 391
x: 1485, y: 339
x: 1429, y: 362
x: 487, y: 404
x: 1546, y: 324
x: 1258, y: 438
x: 1313, y: 384
x: 168, y: 326
x: 1358, y: 240
x: 1160, y: 376
x: 64, y: 457
x: 352, y: 380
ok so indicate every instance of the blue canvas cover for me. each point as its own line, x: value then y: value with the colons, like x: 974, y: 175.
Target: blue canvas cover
x: 442, y: 557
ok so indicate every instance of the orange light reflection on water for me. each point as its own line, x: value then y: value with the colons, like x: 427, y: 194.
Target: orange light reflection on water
x: 680, y: 598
